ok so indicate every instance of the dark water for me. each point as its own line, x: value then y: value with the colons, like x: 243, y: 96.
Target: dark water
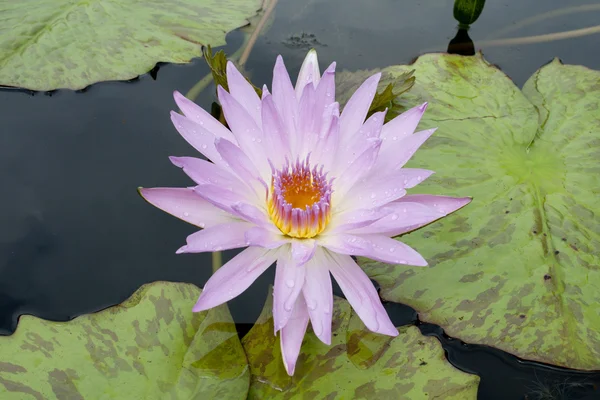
x: 76, y: 237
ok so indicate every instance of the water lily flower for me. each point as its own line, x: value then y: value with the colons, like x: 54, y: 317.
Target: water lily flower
x: 305, y: 186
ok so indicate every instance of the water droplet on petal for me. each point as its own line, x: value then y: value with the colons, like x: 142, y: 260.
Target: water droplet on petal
x: 186, y: 214
x: 373, y: 195
x: 204, y: 146
x: 394, y: 217
x: 326, y: 310
x: 290, y: 283
x: 392, y: 249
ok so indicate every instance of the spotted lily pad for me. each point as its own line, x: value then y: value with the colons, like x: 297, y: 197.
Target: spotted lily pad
x: 150, y: 347
x: 358, y: 364
x: 46, y: 45
x: 519, y: 268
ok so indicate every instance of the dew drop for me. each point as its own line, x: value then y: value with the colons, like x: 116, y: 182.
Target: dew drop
x: 204, y: 146
x: 373, y: 195
x: 254, y: 139
x: 326, y: 310
x: 290, y: 283
x: 394, y: 217
x: 186, y: 214
x: 392, y: 249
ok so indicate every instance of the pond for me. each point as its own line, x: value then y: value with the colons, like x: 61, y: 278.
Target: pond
x: 76, y: 237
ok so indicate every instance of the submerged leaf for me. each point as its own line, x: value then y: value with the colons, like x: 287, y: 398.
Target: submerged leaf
x: 518, y: 269
x: 149, y: 347
x: 47, y: 45
x: 358, y: 365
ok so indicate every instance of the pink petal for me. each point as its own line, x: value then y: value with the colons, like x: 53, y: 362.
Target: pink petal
x: 220, y: 197
x: 361, y: 294
x: 266, y: 238
x: 414, y: 211
x: 376, y: 247
x: 227, y: 236
x: 289, y: 279
x: 327, y: 143
x: 401, y: 151
x: 379, y: 188
x: 307, y: 119
x: 325, y: 93
x: 202, y: 171
x: 303, y: 250
x: 185, y: 204
x: 318, y: 295
x: 309, y: 73
x: 276, y: 139
x: 355, y: 219
x: 243, y: 92
x: 234, y: 277
x: 256, y: 215
x: 198, y: 115
x: 355, y: 144
x: 242, y: 166
x: 284, y: 97
x: 292, y: 335
x: 201, y: 139
x: 356, y: 170
x: 248, y: 134
x: 403, y: 125
x: 355, y: 111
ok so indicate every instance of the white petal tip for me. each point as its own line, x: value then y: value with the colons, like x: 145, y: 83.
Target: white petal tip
x: 181, y: 250
x: 289, y: 369
x: 176, y: 161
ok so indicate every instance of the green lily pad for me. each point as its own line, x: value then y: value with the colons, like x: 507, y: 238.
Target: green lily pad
x: 519, y: 267
x: 46, y: 45
x: 150, y: 347
x: 358, y: 364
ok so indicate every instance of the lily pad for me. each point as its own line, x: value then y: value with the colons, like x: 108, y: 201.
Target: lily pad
x: 519, y: 268
x: 150, y: 347
x: 358, y: 364
x: 46, y: 45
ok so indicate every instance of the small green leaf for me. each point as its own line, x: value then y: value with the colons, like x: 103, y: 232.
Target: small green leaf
x: 150, y: 347
x: 518, y: 268
x: 390, y: 88
x: 46, y: 45
x: 218, y: 67
x: 387, y: 98
x: 359, y: 364
x: 467, y: 11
